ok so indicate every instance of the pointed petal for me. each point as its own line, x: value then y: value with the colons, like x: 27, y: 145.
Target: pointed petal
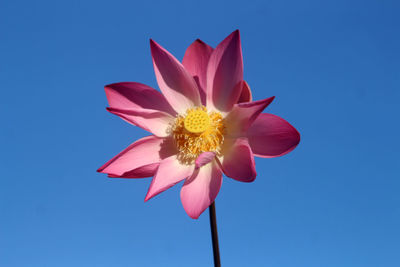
x: 225, y: 74
x: 238, y: 160
x: 246, y: 95
x: 271, y: 136
x: 127, y: 95
x: 243, y: 115
x: 204, y: 158
x: 177, y: 85
x: 201, y: 189
x: 169, y: 173
x: 195, y: 62
x: 141, y: 172
x: 154, y: 121
x: 146, y: 151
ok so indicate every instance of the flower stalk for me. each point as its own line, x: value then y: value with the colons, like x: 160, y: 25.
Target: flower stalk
x: 214, y: 235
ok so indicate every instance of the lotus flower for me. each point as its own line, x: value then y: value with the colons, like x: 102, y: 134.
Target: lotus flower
x: 203, y: 124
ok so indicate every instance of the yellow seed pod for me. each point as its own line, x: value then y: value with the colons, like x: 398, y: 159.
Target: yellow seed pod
x: 197, y: 131
x: 197, y: 121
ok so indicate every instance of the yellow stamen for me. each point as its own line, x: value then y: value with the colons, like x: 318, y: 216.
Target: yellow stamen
x: 196, y: 132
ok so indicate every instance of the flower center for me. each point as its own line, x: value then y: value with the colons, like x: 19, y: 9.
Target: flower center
x: 198, y: 131
x: 196, y: 121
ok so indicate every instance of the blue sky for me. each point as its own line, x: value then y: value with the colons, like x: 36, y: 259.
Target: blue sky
x: 334, y: 67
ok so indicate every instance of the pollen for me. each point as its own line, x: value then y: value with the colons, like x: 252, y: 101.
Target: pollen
x: 198, y: 131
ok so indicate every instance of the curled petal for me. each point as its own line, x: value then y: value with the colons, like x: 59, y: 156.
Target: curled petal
x: 204, y: 158
x: 127, y: 95
x: 177, y: 85
x: 139, y: 158
x: 154, y: 121
x: 225, y: 74
x: 238, y: 161
x: 243, y: 115
x: 195, y: 61
x: 169, y: 173
x: 271, y: 136
x: 245, y: 95
x: 200, y: 190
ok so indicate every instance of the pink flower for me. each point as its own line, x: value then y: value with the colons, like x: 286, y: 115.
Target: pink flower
x: 203, y: 124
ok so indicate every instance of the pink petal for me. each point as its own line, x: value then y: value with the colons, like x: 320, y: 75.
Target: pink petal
x: 127, y: 95
x: 142, y: 153
x: 177, y: 85
x: 201, y: 189
x: 243, y: 115
x: 169, y: 173
x: 195, y: 61
x: 246, y: 95
x: 225, y: 74
x: 271, y: 136
x: 238, y: 160
x: 204, y: 158
x: 154, y: 121
x: 141, y: 172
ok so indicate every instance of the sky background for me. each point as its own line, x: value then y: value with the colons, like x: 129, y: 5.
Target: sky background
x: 334, y: 67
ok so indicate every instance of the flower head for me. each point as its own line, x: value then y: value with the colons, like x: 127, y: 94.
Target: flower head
x: 204, y: 124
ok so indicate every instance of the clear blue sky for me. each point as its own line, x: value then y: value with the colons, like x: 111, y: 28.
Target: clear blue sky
x: 334, y: 67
